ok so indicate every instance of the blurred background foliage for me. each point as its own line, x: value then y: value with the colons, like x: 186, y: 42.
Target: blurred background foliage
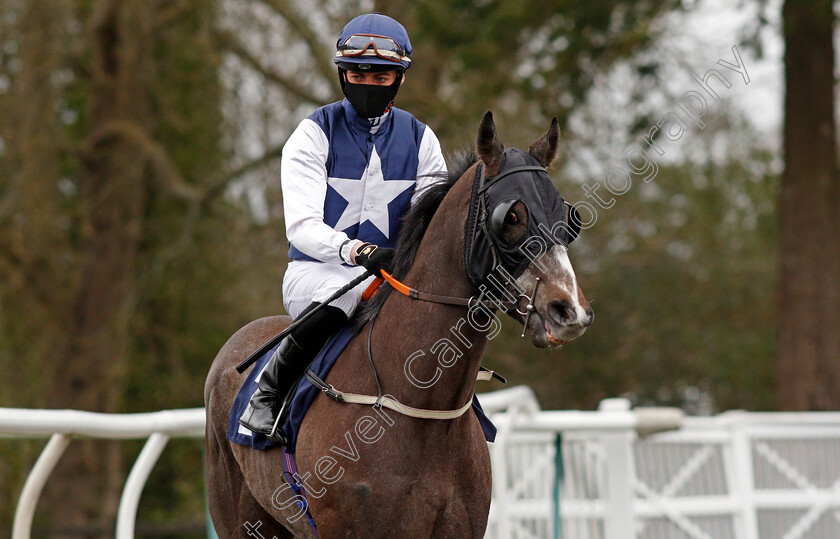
x: 172, y: 114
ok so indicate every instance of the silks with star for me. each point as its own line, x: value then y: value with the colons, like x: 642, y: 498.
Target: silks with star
x: 357, y: 183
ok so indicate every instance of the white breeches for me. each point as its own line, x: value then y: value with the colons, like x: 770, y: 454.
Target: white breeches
x: 306, y: 281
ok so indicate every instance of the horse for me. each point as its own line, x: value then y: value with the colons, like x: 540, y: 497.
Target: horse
x: 370, y: 472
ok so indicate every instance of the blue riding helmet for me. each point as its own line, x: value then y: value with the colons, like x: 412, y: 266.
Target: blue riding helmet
x: 373, y: 42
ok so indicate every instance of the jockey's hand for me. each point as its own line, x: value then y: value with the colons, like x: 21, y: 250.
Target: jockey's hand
x: 375, y: 258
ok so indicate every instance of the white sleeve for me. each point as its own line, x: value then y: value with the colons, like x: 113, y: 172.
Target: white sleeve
x: 431, y: 167
x: 303, y: 176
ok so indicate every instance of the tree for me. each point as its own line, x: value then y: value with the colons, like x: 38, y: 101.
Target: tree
x: 113, y: 168
x: 123, y: 267
x: 809, y: 213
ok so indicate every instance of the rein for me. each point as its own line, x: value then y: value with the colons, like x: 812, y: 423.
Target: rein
x: 450, y: 300
x: 480, y: 187
x: 392, y: 403
x: 413, y: 293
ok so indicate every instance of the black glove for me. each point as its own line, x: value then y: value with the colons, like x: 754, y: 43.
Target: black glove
x: 375, y: 258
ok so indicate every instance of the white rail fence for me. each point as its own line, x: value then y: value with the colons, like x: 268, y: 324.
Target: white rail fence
x: 569, y: 474
x: 737, y: 475
x: 63, y: 425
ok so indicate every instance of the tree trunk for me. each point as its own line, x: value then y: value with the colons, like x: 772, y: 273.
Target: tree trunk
x: 809, y: 208
x: 91, y: 376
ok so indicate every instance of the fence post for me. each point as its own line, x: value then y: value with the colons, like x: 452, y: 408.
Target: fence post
x: 618, y: 511
x: 22, y: 525
x: 743, y: 481
x: 559, y: 477
x: 130, y: 499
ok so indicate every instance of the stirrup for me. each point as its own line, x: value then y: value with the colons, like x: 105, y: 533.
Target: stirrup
x: 277, y: 434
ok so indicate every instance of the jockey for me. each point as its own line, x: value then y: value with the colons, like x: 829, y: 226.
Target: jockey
x: 348, y: 172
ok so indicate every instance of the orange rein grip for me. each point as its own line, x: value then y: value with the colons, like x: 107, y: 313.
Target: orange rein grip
x: 372, y: 288
x: 398, y: 286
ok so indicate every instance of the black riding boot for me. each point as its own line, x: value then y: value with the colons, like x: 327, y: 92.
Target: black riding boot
x: 285, y: 366
x: 296, y: 351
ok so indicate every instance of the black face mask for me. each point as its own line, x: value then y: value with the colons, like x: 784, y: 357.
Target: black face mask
x: 370, y: 100
x: 520, y: 178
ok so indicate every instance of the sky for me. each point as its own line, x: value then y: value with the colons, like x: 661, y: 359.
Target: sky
x: 692, y: 42
x: 709, y: 31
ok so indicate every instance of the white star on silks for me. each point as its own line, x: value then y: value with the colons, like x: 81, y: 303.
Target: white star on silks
x: 352, y: 191
x: 376, y: 191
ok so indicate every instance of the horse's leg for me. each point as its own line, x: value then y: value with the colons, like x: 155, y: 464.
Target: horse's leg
x: 236, y: 510
x: 266, y: 482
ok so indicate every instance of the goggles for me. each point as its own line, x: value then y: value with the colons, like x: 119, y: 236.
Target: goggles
x: 372, y: 45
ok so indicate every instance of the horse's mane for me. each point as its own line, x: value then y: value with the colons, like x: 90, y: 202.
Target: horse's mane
x: 413, y: 226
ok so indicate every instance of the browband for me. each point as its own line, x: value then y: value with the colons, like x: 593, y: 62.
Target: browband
x: 514, y: 170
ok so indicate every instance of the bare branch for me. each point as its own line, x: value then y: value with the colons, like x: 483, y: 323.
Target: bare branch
x: 11, y: 256
x: 218, y: 184
x: 216, y: 188
x: 164, y: 169
x: 168, y: 12
x: 232, y: 44
x: 299, y: 25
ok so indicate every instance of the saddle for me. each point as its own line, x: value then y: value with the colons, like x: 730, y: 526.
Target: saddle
x: 305, y: 393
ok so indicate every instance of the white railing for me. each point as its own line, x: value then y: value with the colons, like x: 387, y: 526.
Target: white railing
x: 527, y: 479
x: 63, y: 425
x: 738, y: 475
x: 569, y: 474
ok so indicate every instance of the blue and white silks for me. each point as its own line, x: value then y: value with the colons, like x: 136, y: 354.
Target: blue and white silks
x: 344, y: 179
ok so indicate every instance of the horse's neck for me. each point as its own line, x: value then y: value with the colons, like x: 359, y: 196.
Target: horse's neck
x: 433, y: 351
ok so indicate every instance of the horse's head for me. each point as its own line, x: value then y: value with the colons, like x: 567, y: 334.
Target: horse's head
x: 518, y: 232
x: 515, y: 247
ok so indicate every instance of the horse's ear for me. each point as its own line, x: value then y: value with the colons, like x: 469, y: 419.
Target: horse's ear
x: 545, y: 149
x: 489, y: 148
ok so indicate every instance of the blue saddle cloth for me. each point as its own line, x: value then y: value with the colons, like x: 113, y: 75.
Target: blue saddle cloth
x: 305, y: 394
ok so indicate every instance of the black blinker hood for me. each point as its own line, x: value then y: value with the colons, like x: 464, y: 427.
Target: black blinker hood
x: 520, y: 178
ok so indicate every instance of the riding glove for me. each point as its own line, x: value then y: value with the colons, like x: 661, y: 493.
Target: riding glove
x: 375, y: 258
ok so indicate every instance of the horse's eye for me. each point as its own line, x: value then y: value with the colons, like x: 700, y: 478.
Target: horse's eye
x: 509, y: 221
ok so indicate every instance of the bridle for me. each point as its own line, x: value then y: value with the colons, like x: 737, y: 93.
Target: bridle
x: 480, y: 188
x: 471, y: 301
x: 477, y: 219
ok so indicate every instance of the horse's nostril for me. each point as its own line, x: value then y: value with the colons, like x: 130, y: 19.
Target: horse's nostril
x: 561, y: 311
x: 590, y: 316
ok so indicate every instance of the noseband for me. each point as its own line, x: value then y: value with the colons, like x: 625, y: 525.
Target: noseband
x: 485, y: 254
x: 492, y: 265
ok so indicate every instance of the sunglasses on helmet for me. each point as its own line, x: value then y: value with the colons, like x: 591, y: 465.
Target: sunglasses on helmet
x: 372, y: 45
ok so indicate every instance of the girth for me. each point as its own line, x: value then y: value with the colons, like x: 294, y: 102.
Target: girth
x: 392, y: 403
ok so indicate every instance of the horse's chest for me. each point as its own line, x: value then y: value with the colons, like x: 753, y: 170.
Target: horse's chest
x: 437, y: 500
